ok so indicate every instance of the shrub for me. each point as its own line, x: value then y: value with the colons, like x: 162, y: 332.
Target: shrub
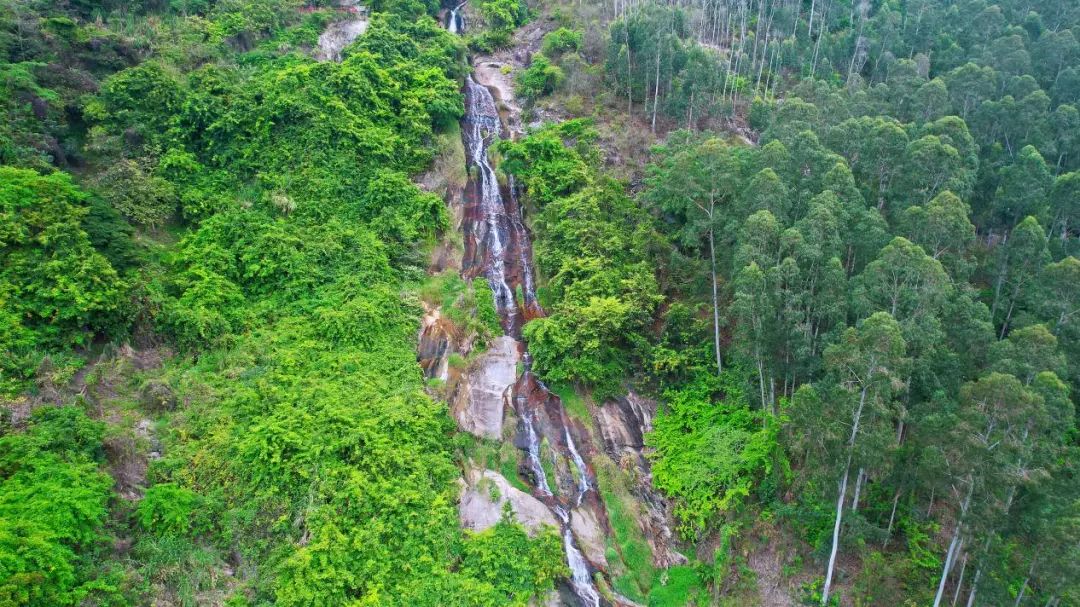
x: 560, y: 41
x: 541, y: 78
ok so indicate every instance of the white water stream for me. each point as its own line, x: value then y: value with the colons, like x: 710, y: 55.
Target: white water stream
x: 496, y: 231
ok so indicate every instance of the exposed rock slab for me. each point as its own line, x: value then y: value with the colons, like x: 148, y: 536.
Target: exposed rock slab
x: 589, y: 534
x: 337, y: 37
x: 623, y: 424
x: 483, y: 392
x: 482, y: 498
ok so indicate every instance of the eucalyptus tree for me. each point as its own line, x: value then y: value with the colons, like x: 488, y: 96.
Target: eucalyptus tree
x: 1064, y: 201
x: 944, y: 231
x: 1024, y: 188
x: 1019, y: 262
x: 871, y: 146
x: 695, y: 183
x: 988, y: 432
x: 866, y: 367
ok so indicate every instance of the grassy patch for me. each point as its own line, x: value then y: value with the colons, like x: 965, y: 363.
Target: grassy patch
x: 508, y: 466
x: 449, y: 165
x: 629, y: 540
x: 573, y: 402
x: 676, y: 587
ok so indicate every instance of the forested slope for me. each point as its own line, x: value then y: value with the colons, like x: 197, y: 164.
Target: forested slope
x: 866, y: 330
x: 832, y: 240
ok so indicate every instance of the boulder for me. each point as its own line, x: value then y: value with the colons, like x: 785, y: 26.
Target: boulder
x: 484, y: 493
x: 485, y: 390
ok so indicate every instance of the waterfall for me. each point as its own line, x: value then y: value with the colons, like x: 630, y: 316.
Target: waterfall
x: 533, y: 450
x: 580, y: 579
x: 455, y: 23
x: 491, y: 230
x: 583, y: 477
x: 498, y: 246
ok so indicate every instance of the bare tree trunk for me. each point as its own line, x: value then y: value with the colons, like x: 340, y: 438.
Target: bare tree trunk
x: 1020, y: 595
x: 960, y: 582
x: 690, y: 111
x: 715, y: 301
x: 860, y: 478
x: 843, y: 492
x: 974, y: 587
x: 836, y: 534
x: 1023, y: 587
x: 892, y: 518
x: 656, y: 89
x: 629, y: 74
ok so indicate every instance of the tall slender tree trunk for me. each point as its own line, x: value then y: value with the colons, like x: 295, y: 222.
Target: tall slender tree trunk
x: 656, y: 89
x: 1023, y: 589
x: 978, y: 576
x: 974, y: 587
x: 960, y: 582
x: 843, y: 490
x: 715, y: 299
x: 892, y: 518
x: 690, y: 110
x: 629, y: 74
x: 953, y: 545
x: 860, y: 478
x: 836, y: 533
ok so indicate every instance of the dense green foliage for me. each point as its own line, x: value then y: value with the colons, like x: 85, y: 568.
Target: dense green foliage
x: 593, y: 250
x: 306, y: 448
x: 848, y: 270
x: 53, y: 498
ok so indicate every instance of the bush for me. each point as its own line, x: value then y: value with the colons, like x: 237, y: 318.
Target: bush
x: 168, y: 509
x: 540, y: 78
x: 560, y: 41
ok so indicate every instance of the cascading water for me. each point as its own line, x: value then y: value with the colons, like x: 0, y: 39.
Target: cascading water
x: 533, y: 449
x: 481, y: 127
x: 497, y: 246
x: 580, y: 580
x: 583, y: 475
x: 455, y: 23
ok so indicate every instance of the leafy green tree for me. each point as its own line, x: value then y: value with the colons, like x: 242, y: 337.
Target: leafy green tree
x: 560, y: 41
x: 540, y: 78
x: 943, y: 229
x: 930, y: 166
x: 871, y: 147
x: 53, y: 499
x: 61, y: 289
x: 987, y: 436
x: 1024, y: 188
x: 1019, y: 262
x: 398, y: 211
x: 711, y: 451
x: 1064, y: 202
x: 695, y: 183
x: 866, y: 368
x: 137, y: 194
x: 970, y: 85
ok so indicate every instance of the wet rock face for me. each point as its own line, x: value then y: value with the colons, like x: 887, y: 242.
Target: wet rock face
x: 484, y: 492
x: 485, y: 390
x: 586, y: 523
x: 435, y: 345
x: 623, y: 424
